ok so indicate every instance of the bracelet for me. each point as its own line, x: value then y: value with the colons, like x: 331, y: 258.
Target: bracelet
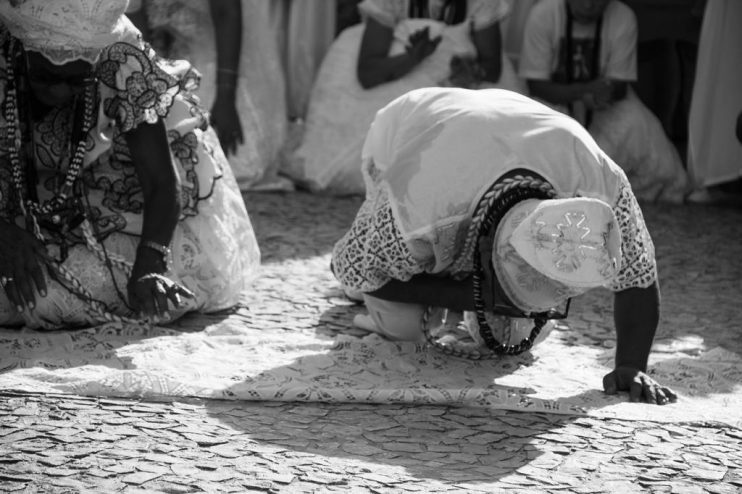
x: 162, y: 249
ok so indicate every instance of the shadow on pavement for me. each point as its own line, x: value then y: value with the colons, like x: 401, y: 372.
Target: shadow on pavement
x: 298, y: 225
x: 384, y: 442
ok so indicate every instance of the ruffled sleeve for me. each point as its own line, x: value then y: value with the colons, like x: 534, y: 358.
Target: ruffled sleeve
x: 638, y: 265
x: 386, y: 12
x: 484, y: 13
x: 137, y: 86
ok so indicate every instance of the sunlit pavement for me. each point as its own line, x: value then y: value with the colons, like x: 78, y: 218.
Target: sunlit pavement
x: 62, y: 443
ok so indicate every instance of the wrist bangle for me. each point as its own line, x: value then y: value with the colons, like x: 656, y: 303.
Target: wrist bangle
x: 162, y: 249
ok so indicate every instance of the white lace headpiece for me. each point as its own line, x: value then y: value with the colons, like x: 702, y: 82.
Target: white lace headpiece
x: 65, y: 30
x: 549, y: 250
x: 574, y: 241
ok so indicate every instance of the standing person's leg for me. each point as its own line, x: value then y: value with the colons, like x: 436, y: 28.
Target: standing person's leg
x: 394, y: 320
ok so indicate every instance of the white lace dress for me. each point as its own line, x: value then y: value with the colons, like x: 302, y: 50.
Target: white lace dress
x: 429, y: 157
x: 214, y: 250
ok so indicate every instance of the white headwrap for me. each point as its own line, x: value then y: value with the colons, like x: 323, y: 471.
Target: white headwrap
x: 549, y: 250
x: 575, y: 241
x: 65, y: 30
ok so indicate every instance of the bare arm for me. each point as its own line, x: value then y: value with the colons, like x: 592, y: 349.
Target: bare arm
x: 376, y: 67
x: 598, y: 94
x: 160, y: 182
x: 426, y: 289
x: 445, y: 291
x: 636, y: 314
x: 488, y: 42
x: 556, y: 92
x: 148, y: 291
x: 226, y: 16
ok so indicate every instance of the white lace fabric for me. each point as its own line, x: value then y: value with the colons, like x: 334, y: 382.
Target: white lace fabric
x: 66, y: 30
x: 638, y: 264
x: 373, y: 250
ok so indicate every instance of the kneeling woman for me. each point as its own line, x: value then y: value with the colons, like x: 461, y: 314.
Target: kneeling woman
x: 116, y: 201
x: 491, y: 203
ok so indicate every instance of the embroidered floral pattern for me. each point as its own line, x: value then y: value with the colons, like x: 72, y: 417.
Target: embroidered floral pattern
x: 135, y: 87
x: 185, y: 149
x: 140, y: 95
x: 571, y: 244
x: 54, y: 132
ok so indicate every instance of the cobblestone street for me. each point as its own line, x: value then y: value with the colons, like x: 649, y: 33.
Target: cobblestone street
x: 66, y: 443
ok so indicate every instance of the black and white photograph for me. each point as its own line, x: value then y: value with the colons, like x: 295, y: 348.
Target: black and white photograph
x: 371, y: 246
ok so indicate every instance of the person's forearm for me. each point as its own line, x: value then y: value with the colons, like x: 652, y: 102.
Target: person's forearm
x: 226, y: 16
x: 557, y: 93
x: 160, y: 182
x: 636, y: 314
x: 161, y: 212
x: 375, y: 71
x: 488, y: 42
x: 426, y: 289
x: 492, y: 68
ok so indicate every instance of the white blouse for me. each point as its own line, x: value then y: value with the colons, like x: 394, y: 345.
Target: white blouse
x: 429, y: 157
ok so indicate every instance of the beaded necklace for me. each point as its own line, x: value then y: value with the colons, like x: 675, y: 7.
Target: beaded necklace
x: 29, y: 207
x: 51, y: 208
x: 493, y: 205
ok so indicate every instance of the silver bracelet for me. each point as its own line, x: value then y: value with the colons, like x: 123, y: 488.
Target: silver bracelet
x: 162, y: 249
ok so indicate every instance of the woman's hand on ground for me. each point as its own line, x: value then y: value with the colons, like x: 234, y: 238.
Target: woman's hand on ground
x: 150, y: 292
x: 151, y: 295
x: 23, y: 260
x: 640, y: 386
x: 226, y: 123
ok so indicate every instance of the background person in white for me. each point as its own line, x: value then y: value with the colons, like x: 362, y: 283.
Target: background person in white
x: 580, y: 56
x: 714, y: 151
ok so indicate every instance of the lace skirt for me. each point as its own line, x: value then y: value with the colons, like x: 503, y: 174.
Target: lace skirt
x: 214, y: 254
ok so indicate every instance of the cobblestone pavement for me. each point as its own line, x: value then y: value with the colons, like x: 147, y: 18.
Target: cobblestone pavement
x: 62, y: 443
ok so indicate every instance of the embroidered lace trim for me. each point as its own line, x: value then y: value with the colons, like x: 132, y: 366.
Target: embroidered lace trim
x: 638, y: 265
x: 372, y: 252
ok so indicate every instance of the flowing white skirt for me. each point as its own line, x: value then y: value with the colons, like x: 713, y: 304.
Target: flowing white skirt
x: 328, y: 159
x: 214, y: 254
x: 634, y: 138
